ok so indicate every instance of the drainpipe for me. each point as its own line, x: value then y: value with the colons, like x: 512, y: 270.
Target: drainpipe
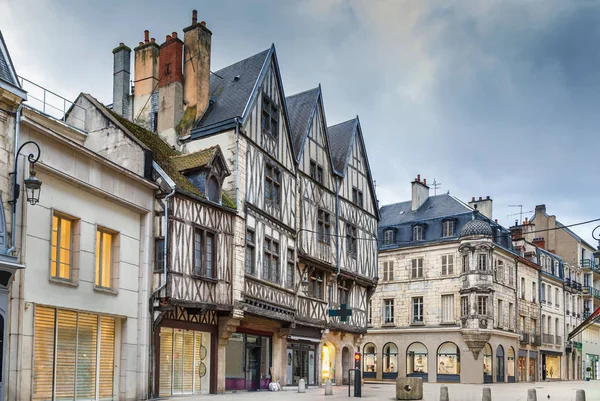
x: 13, y: 235
x: 166, y: 225
x: 237, y: 148
x: 339, y: 238
x: 517, y: 328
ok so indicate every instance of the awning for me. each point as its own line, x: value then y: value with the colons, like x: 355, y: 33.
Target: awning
x: 299, y: 338
x: 591, y: 319
x: 552, y: 353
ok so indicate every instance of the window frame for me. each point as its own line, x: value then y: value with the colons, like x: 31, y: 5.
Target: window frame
x: 451, y: 318
x: 465, y: 263
x: 290, y: 275
x: 316, y: 280
x: 159, y: 248
x: 324, y: 226
x: 114, y: 258
x: 272, y: 177
x: 388, y: 271
x: 482, y: 307
x: 344, y: 287
x: 417, y: 305
x: 272, y: 254
x: 465, y: 309
x: 250, y: 251
x: 482, y: 267
x: 447, y: 265
x: 448, y: 227
x: 388, y: 237
x: 388, y: 311
x: 202, y: 271
x: 351, y: 239
x: 316, y: 171
x: 357, y: 197
x: 270, y: 115
x: 416, y: 271
x: 73, y: 221
x: 418, y: 232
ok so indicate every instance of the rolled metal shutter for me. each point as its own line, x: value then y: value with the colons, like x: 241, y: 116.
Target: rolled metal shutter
x: 166, y: 361
x: 87, y: 343
x: 107, y: 358
x: 66, y: 351
x: 43, y: 353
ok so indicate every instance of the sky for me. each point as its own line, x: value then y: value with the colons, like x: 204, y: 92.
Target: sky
x: 494, y: 98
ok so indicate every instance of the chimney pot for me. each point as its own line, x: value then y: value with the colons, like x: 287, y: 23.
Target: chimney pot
x: 141, y: 43
x: 480, y: 198
x: 194, y: 17
x: 174, y: 35
x: 419, y: 177
x: 152, y: 40
x: 496, y: 220
x: 487, y: 197
x: 424, y: 181
x: 203, y: 23
x: 121, y: 44
x: 473, y: 199
x: 146, y: 35
x: 168, y: 37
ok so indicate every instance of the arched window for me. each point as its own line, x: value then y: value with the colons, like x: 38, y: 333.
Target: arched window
x: 448, y: 363
x: 390, y: 361
x: 487, y: 364
x: 213, y: 190
x: 500, y: 364
x: 416, y: 361
x: 370, y: 361
x: 510, y: 360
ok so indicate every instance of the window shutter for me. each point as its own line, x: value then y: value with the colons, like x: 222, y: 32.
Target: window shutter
x: 391, y: 271
x: 43, y: 349
x: 385, y: 271
x: 444, y: 267
x: 107, y: 357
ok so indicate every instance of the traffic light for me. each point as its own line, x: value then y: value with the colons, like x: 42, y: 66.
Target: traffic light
x: 356, y: 360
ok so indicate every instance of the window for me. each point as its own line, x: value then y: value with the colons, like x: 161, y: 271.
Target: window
x: 388, y: 237
x: 465, y: 263
x: 272, y: 183
x: 204, y: 251
x: 511, y: 316
x: 418, y: 233
x: 389, y: 311
x: 500, y: 314
x: 388, y: 271
x: 448, y: 228
x: 447, y: 265
x: 499, y: 271
x: 464, y: 305
x: 511, y: 276
x: 351, y: 244
x: 213, y: 190
x: 533, y: 326
x: 291, y: 264
x: 323, y: 226
x: 270, y: 116
x: 344, y: 292
x: 482, y: 308
x: 556, y: 297
x: 417, y: 268
x: 315, y: 285
x: 271, y: 260
x: 482, y: 262
x: 543, y: 293
x: 417, y: 308
x: 316, y: 171
x: 104, y: 258
x: 159, y: 251
x: 522, y: 287
x: 448, y: 308
x: 549, y: 294
x: 250, y: 252
x: 62, y: 243
x: 533, y: 292
x: 357, y: 197
x: 370, y: 312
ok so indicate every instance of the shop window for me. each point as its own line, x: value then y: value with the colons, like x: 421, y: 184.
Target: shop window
x: 448, y: 363
x: 248, y: 362
x: 390, y: 361
x: 416, y: 361
x: 487, y: 364
x: 500, y: 364
x: 369, y: 361
x: 510, y: 360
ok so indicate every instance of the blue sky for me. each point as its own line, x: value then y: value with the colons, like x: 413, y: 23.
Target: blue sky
x: 497, y: 98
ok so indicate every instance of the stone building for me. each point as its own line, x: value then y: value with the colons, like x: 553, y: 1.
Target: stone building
x: 446, y: 307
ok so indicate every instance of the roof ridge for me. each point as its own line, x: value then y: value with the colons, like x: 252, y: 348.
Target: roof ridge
x: 196, y: 152
x: 343, y: 122
x: 303, y: 92
x: 241, y: 61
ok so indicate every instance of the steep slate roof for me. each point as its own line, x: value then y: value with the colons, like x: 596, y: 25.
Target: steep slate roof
x: 194, y: 160
x: 340, y: 139
x: 8, y: 74
x: 162, y: 153
x: 231, y: 96
x: 434, y: 207
x: 301, y: 107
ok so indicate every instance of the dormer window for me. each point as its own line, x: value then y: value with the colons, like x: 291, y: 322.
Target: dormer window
x: 270, y: 116
x: 388, y: 237
x: 448, y: 228
x: 418, y: 233
x: 213, y: 190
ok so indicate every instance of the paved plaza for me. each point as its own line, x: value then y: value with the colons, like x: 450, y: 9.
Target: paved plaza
x: 558, y: 391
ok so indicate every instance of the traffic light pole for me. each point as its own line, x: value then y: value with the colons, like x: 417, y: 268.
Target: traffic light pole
x: 357, y: 376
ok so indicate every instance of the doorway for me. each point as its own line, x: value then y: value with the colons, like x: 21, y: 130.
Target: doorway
x: 346, y: 364
x: 328, y: 363
x: 500, y: 364
x: 252, y: 367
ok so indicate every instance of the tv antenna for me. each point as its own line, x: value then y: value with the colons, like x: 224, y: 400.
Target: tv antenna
x: 520, y: 212
x: 435, y: 186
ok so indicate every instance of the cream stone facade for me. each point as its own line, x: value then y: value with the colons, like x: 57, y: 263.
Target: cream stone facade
x: 82, y: 300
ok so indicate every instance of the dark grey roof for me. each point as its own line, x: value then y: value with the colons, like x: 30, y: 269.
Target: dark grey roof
x: 300, y: 110
x: 231, y: 95
x: 476, y: 227
x: 434, y: 207
x: 6, y: 67
x: 340, y: 138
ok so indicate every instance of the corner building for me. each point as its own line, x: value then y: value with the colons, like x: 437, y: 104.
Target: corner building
x: 445, y: 308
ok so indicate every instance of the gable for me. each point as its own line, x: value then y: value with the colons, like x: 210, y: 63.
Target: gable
x: 8, y: 75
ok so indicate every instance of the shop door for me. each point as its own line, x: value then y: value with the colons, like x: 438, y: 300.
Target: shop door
x: 500, y: 367
x: 543, y: 367
x: 252, y: 367
x: 532, y: 369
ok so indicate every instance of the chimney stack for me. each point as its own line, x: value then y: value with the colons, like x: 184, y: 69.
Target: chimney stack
x: 540, y: 242
x: 196, y: 91
x: 146, y: 77
x: 420, y: 193
x: 485, y: 206
x: 170, y: 88
x: 121, y: 75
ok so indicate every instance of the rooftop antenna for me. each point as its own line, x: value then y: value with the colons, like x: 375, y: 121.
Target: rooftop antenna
x: 520, y: 212
x: 435, y: 186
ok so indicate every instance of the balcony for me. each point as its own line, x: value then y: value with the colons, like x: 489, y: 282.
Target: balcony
x: 547, y: 339
x: 558, y: 340
x: 589, y: 264
x: 588, y: 290
x: 524, y: 338
x: 586, y: 315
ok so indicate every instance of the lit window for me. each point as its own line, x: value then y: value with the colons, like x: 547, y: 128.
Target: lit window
x: 62, y: 241
x: 104, y: 258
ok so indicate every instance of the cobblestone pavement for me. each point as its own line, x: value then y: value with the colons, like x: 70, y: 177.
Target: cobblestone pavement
x: 558, y: 391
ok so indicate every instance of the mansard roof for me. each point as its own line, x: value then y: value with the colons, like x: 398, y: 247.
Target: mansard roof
x: 231, y: 89
x: 301, y: 108
x: 436, y: 206
x: 8, y: 74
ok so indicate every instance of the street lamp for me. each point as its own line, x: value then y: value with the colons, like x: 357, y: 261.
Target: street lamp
x: 32, y: 184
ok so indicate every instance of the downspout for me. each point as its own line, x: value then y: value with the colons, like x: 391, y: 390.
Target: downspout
x: 517, y: 328
x: 237, y: 170
x: 339, y: 238
x: 14, y: 207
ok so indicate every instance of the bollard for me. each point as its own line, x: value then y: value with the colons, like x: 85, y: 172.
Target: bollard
x: 409, y: 388
x: 444, y: 394
x: 531, y: 395
x: 328, y: 388
x: 580, y: 395
x: 302, y: 386
x: 487, y: 394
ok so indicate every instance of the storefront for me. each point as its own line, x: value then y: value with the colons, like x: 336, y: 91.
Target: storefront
x: 551, y: 362
x: 390, y: 361
x: 448, y: 363
x: 523, y: 365
x: 487, y: 364
x: 510, y: 361
x: 248, y: 362
x: 74, y: 355
x: 500, y: 364
x: 369, y: 361
x: 416, y: 361
x: 301, y: 356
x: 592, y: 362
x: 184, y: 362
x: 533, y: 357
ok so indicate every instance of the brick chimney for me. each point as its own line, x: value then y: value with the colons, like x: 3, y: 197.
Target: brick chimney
x: 539, y: 242
x: 146, y: 79
x: 485, y: 206
x: 170, y: 87
x: 121, y: 74
x: 197, y: 39
x: 420, y: 193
